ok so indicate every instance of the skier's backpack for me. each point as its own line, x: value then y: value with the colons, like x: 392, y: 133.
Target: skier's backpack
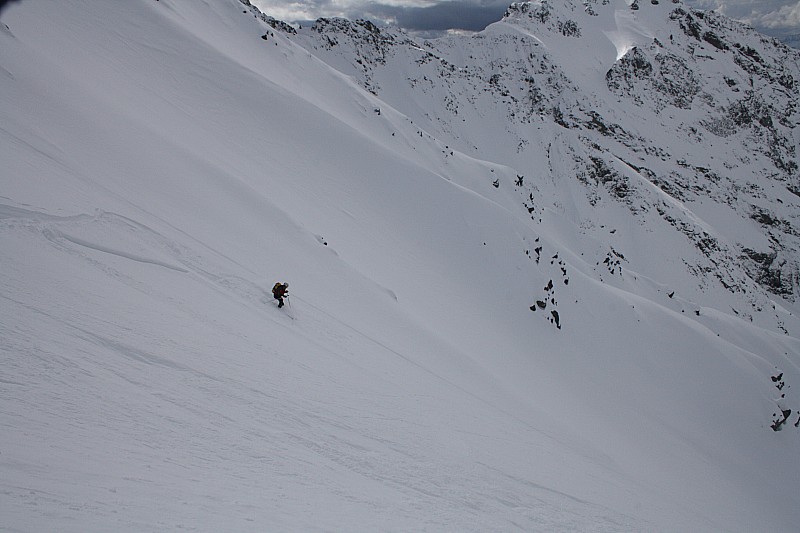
x: 279, y: 289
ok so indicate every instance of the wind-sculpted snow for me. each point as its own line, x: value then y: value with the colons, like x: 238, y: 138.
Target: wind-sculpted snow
x: 543, y: 277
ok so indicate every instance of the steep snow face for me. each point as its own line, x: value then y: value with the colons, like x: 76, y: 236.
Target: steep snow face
x: 541, y: 277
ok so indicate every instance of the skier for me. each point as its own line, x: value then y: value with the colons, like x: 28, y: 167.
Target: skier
x: 280, y: 291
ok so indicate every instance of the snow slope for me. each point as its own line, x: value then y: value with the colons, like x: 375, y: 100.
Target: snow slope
x: 162, y: 165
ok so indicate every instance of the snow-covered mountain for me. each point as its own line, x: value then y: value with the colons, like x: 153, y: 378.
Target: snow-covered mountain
x: 544, y: 277
x: 724, y: 100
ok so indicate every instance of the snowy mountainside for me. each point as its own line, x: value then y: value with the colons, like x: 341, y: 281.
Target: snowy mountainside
x: 515, y: 304
x: 724, y: 99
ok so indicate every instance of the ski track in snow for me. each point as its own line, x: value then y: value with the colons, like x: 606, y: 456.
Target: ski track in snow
x: 546, y: 511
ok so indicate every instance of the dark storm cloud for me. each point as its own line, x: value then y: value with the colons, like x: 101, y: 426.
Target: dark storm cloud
x: 437, y: 15
x: 769, y: 16
x: 443, y: 16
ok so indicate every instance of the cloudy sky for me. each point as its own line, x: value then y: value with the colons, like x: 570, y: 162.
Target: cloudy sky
x: 774, y: 17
